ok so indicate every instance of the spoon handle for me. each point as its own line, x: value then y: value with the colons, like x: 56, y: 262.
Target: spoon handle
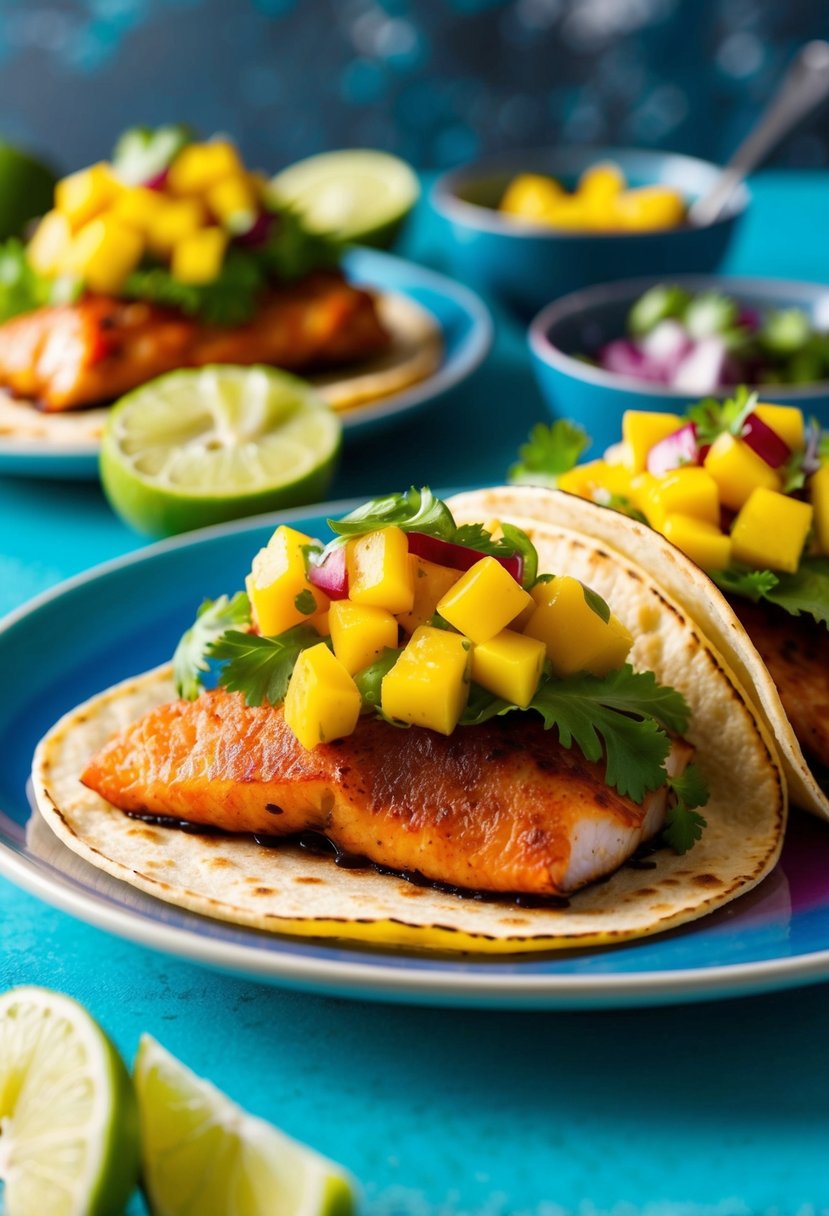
x: 805, y: 85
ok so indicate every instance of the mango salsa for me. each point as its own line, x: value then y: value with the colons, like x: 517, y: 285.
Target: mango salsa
x: 103, y: 253
x: 509, y: 665
x: 379, y: 572
x: 360, y: 633
x: 642, y: 430
x: 172, y: 222
x: 483, y: 601
x: 703, y: 542
x: 575, y: 636
x: 787, y: 422
x: 137, y: 206
x: 686, y: 491
x: 83, y: 195
x: 738, y: 471
x: 280, y: 593
x: 429, y: 684
x: 819, y: 489
x: 322, y: 702
x: 431, y: 582
x: 770, y: 531
x: 200, y: 166
x: 198, y: 258
x: 596, y: 479
x: 48, y: 249
x: 649, y: 208
x: 233, y: 202
x: 531, y: 196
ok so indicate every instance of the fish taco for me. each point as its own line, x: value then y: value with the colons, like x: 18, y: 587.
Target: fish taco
x: 432, y: 734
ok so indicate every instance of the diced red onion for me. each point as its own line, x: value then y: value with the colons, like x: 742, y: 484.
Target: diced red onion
x: 332, y: 575
x: 765, y: 442
x: 666, y: 346
x: 678, y: 449
x: 624, y: 358
x: 158, y: 180
x: 702, y: 369
x: 259, y: 230
x: 458, y: 557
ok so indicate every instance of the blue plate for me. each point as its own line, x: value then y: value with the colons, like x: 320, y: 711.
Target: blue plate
x: 126, y: 616
x: 464, y: 321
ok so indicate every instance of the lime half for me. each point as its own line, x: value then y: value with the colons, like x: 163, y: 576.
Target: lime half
x: 68, y: 1117
x: 205, y: 1156
x: 354, y: 195
x: 198, y: 447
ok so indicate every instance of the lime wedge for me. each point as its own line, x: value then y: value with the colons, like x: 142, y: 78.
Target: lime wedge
x: 353, y: 195
x: 201, y: 446
x: 68, y: 1117
x: 26, y: 187
x: 205, y: 1156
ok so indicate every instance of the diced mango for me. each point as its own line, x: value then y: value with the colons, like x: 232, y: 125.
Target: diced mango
x: 648, y: 208
x: 199, y: 166
x: 483, y: 601
x: 530, y: 196
x: 379, y: 572
x: 49, y: 247
x: 198, y: 258
x: 172, y: 222
x: 137, y: 206
x: 601, y: 181
x: 819, y: 490
x: 641, y: 485
x: 641, y: 430
x: 519, y: 623
x: 786, y: 421
x: 103, y: 253
x: 576, y: 637
x: 431, y: 582
x: 570, y: 213
x: 703, y: 542
x: 770, y: 531
x: 360, y: 633
x: 738, y: 470
x: 596, y: 480
x: 429, y: 684
x: 233, y: 203
x: 322, y: 702
x: 278, y: 587
x: 83, y: 195
x: 688, y: 491
x: 322, y: 624
x: 509, y: 665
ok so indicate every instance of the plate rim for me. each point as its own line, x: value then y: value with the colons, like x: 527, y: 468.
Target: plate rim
x: 463, y: 985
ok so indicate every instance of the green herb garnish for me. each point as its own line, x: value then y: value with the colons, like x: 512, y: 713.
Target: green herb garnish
x: 258, y: 667
x: 805, y: 591
x: 713, y: 416
x: 684, y: 826
x: 23, y: 290
x: 213, y: 619
x: 549, y: 452
x: 305, y: 602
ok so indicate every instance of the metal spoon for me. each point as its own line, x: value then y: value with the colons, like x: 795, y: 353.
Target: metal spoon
x: 805, y: 84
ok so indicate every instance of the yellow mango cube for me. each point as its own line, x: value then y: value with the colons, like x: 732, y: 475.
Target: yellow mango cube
x: 642, y: 430
x: 703, y: 542
x: 819, y: 491
x: 233, y: 203
x: 429, y: 684
x: 601, y: 181
x: 510, y: 666
x: 172, y: 222
x: 596, y: 480
x: 483, y: 601
x: 738, y: 470
x: 200, y: 166
x: 649, y: 208
x: 770, y: 531
x: 575, y: 636
x: 786, y: 421
x: 278, y: 587
x: 530, y: 196
x: 571, y: 213
x: 640, y: 489
x: 322, y: 624
x: 322, y: 702
x: 83, y: 195
x: 198, y: 258
x: 360, y: 633
x: 379, y: 572
x: 688, y: 491
x: 431, y: 582
x: 48, y: 249
x: 138, y: 206
x: 103, y: 253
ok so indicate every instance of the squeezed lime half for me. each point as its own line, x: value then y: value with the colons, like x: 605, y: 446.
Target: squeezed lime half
x: 198, y: 447
x: 357, y: 194
x: 68, y: 1115
x: 205, y: 1156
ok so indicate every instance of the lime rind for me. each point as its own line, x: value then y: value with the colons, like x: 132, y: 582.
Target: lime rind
x: 205, y: 1156
x: 69, y: 1143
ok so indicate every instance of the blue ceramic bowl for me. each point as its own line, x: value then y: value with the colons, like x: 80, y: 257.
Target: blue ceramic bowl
x: 583, y: 321
x: 528, y: 264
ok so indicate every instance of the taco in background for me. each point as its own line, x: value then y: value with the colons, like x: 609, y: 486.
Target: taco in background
x: 459, y: 731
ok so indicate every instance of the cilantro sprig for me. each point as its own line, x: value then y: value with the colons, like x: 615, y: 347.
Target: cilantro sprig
x: 213, y: 619
x: 806, y: 591
x: 713, y: 416
x: 684, y: 825
x: 260, y: 668
x: 548, y: 452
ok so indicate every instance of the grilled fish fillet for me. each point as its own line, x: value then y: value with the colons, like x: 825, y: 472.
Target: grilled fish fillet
x: 73, y: 355
x: 497, y: 807
x: 796, y: 652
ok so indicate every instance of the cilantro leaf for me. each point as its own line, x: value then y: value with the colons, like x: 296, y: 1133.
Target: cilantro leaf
x: 483, y: 705
x: 807, y: 590
x: 305, y: 602
x: 370, y: 679
x: 213, y: 619
x: 514, y: 540
x: 713, y: 416
x: 258, y: 667
x: 229, y: 299
x: 638, y: 693
x: 549, y: 452
x: 750, y: 584
x: 683, y: 825
x: 293, y: 250
x: 414, y: 511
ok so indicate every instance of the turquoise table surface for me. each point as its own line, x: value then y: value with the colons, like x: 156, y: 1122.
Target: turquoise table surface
x: 713, y: 1109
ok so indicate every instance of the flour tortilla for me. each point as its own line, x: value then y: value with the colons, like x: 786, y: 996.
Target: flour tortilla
x: 686, y: 583
x: 286, y: 891
x: 415, y: 353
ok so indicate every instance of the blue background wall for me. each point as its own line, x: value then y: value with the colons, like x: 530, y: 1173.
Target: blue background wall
x: 437, y: 81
